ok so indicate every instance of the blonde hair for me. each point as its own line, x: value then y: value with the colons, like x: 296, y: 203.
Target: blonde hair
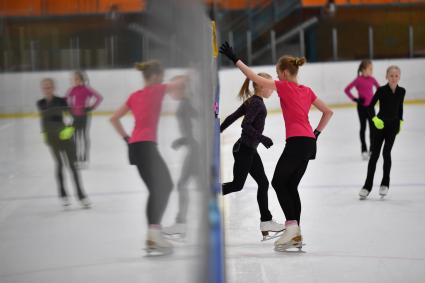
x: 393, y: 67
x: 48, y: 80
x: 150, y: 68
x: 245, y: 92
x: 290, y: 63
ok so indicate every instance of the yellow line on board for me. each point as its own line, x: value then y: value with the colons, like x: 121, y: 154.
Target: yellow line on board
x: 271, y: 111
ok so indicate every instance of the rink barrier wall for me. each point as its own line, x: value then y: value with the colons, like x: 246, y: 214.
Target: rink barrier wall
x: 164, y: 114
x: 20, y: 91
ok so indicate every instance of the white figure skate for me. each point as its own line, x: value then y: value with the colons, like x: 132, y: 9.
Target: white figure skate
x: 363, y: 194
x: 291, y: 238
x: 85, y: 203
x: 271, y: 226
x: 156, y: 244
x: 176, y: 231
x: 383, y: 191
x: 65, y: 202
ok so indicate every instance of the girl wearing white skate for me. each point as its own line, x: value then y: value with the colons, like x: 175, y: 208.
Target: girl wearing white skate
x: 247, y: 159
x: 388, y: 123
x: 295, y: 101
x: 364, y: 84
x: 145, y: 105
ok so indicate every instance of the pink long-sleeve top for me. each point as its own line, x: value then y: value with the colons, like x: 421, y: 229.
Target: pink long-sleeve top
x: 80, y: 97
x: 364, y: 86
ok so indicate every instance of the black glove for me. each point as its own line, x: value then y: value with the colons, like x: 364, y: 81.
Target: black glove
x: 126, y: 139
x: 266, y: 141
x: 317, y: 133
x: 358, y: 100
x: 88, y: 109
x: 227, y: 51
x: 179, y: 142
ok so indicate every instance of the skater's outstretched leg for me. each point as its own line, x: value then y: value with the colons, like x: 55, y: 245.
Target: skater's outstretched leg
x: 243, y: 159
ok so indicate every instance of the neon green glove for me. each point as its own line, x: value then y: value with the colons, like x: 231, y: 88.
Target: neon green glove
x: 45, y: 138
x: 379, y: 124
x: 66, y: 133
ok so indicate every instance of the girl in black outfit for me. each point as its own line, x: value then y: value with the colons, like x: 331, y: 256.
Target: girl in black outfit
x: 58, y: 137
x: 247, y: 159
x: 388, y: 123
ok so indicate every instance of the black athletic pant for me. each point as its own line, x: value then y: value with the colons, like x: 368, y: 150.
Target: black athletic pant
x: 289, y: 171
x: 364, y: 119
x: 248, y: 161
x: 155, y: 174
x: 385, y: 136
x: 65, y: 151
x: 286, y: 178
x: 82, y: 139
x: 190, y: 169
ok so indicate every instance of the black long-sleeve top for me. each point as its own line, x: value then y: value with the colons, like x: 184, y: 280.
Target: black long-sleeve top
x: 52, y: 114
x: 390, y: 103
x: 255, y: 113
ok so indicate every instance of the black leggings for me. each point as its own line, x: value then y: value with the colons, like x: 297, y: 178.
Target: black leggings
x: 155, y: 174
x: 289, y: 171
x: 82, y: 139
x: 248, y: 161
x: 387, y: 136
x: 65, y: 151
x: 364, y: 119
x: 190, y: 169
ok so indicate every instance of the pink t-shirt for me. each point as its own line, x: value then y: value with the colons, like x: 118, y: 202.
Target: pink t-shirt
x: 295, y: 101
x: 364, y: 86
x: 79, y: 97
x: 145, y: 104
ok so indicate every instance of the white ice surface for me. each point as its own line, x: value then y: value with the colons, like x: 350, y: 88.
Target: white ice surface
x: 347, y: 240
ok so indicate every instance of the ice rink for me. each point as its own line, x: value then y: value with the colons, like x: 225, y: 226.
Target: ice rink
x: 347, y: 240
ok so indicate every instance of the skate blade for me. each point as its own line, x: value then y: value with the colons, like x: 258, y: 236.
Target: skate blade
x: 178, y: 237
x: 289, y: 247
x: 267, y: 237
x: 157, y: 251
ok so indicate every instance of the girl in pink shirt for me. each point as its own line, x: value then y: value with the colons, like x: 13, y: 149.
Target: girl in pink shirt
x: 145, y: 105
x: 364, y: 84
x: 295, y: 101
x: 82, y: 99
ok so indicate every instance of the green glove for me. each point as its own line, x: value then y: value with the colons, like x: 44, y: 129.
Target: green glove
x: 66, y: 133
x: 401, y: 125
x: 45, y: 138
x: 379, y: 124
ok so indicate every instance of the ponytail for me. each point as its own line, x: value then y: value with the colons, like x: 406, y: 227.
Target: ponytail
x: 363, y: 65
x: 245, y: 93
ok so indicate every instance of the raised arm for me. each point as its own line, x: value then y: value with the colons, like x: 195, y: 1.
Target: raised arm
x: 176, y: 87
x: 227, y: 50
x: 326, y: 114
x: 116, y: 121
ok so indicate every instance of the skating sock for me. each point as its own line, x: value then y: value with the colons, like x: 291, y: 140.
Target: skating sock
x: 155, y: 226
